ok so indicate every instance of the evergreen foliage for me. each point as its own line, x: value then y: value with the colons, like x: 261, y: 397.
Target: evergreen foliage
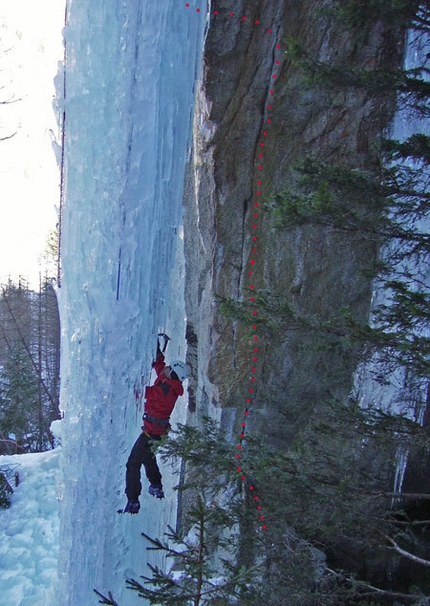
x: 5, y: 488
x: 197, y: 580
x: 52, y: 251
x: 327, y: 489
x: 411, y: 86
x: 365, y: 14
x: 204, y: 552
x: 29, y: 365
x: 376, y: 202
x: 107, y: 600
x: 19, y: 399
x: 389, y: 206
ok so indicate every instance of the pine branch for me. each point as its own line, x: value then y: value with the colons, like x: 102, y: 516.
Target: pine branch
x: 158, y: 545
x: 165, y: 591
x: 108, y: 601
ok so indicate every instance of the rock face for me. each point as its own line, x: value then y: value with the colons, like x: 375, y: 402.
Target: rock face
x: 316, y: 271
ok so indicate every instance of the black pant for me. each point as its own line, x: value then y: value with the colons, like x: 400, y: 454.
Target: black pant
x: 141, y: 453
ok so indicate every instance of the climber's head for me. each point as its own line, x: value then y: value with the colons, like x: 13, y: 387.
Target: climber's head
x: 178, y: 371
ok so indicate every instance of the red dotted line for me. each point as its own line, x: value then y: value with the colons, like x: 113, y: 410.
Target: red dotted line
x: 230, y: 14
x: 255, y: 226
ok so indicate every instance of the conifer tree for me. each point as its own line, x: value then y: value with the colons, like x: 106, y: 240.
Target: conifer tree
x: 29, y: 363
x: 197, y: 579
x: 319, y: 489
x: 5, y: 488
x: 18, y: 399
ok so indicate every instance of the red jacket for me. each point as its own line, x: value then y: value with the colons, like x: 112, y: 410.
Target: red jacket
x: 160, y: 400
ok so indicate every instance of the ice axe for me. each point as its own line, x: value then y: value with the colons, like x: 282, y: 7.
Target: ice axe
x: 166, y: 340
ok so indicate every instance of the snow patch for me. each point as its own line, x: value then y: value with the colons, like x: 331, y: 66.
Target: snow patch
x: 29, y: 532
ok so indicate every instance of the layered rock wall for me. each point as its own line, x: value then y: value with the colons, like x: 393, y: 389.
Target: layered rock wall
x: 315, y: 270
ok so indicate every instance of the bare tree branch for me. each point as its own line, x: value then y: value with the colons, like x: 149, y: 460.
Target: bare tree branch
x: 367, y: 590
x: 407, y: 554
x: 8, y: 101
x: 8, y: 137
x: 418, y: 496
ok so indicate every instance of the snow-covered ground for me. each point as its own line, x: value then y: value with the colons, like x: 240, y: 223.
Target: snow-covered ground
x: 29, y: 532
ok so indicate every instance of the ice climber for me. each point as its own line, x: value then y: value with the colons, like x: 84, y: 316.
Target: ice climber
x: 160, y: 400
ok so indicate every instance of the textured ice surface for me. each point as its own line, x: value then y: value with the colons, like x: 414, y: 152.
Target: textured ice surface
x: 130, y: 81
